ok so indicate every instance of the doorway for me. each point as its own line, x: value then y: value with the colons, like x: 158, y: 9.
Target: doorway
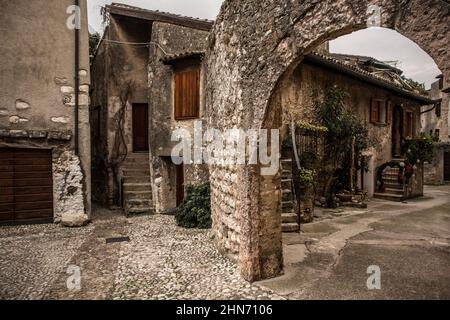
x: 140, y: 127
x: 447, y: 166
x: 180, y: 184
x: 397, y: 132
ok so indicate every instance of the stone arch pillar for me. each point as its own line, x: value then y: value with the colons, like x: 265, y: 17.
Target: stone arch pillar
x: 252, y: 45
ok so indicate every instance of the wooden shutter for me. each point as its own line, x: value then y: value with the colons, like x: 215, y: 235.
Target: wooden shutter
x: 373, y: 110
x: 388, y: 112
x: 187, y: 94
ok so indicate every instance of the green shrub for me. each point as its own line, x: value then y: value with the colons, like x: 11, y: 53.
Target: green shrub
x: 307, y: 176
x: 195, y: 211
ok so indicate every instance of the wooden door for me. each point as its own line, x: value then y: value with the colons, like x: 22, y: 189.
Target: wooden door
x: 447, y: 166
x: 180, y: 184
x: 140, y: 127
x: 397, y: 132
x: 26, y: 186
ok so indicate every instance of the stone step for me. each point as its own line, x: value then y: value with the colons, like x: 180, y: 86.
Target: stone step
x: 130, y: 187
x: 389, y: 197
x: 138, y: 155
x: 138, y: 195
x: 289, y: 218
x: 396, y: 186
x: 139, y: 210
x: 286, y: 174
x: 137, y: 203
x: 286, y: 184
x: 136, y: 172
x: 394, y: 191
x: 137, y: 179
x: 286, y: 165
x: 287, y: 206
x: 287, y: 197
x: 290, y: 227
x: 140, y: 160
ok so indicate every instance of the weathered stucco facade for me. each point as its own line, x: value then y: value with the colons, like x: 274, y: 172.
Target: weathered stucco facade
x: 436, y: 121
x: 253, y: 46
x: 296, y: 96
x: 120, y: 80
x: 37, y: 99
x: 128, y: 70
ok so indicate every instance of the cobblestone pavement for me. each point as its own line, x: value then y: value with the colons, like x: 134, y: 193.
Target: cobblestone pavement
x: 166, y: 262
x: 162, y: 261
x: 31, y: 257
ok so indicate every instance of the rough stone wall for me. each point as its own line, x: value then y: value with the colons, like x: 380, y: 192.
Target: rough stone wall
x: 37, y: 96
x: 172, y: 40
x: 252, y: 45
x: 68, y: 187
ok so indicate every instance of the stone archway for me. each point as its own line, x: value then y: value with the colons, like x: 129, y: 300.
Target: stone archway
x: 252, y: 46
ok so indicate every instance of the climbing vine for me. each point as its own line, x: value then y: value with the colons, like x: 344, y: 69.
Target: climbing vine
x: 346, y: 139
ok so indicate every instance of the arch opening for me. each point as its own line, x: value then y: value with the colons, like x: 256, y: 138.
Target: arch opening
x: 261, y: 106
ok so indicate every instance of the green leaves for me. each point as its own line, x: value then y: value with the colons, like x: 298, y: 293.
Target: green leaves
x: 195, y: 211
x: 343, y: 126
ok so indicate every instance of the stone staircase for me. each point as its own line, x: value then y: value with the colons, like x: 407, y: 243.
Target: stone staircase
x: 395, y: 191
x: 137, y: 190
x: 289, y: 215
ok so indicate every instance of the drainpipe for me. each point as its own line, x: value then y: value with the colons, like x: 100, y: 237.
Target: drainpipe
x: 77, y: 79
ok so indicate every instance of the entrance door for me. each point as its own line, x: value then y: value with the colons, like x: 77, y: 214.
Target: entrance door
x: 26, y: 186
x: 140, y: 127
x: 180, y: 184
x: 447, y: 166
x: 397, y: 132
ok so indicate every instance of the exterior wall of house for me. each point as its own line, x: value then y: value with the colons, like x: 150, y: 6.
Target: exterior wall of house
x: 431, y: 122
x: 120, y: 79
x: 37, y: 95
x: 308, y: 82
x: 171, y: 40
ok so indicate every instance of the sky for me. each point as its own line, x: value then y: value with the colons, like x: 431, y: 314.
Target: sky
x: 380, y: 43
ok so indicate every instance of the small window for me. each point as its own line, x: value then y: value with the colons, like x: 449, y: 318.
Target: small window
x: 441, y: 83
x: 437, y: 133
x: 380, y: 111
x: 187, y: 94
x: 438, y: 109
x: 409, y: 124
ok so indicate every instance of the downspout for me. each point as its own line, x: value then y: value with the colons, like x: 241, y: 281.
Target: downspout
x: 77, y: 76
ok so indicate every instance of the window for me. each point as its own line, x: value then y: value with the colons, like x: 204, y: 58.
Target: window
x: 409, y: 124
x: 437, y: 133
x: 187, y: 94
x: 438, y: 109
x: 441, y: 82
x: 380, y: 111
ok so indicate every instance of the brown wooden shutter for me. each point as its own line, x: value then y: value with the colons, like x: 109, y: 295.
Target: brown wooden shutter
x: 187, y: 94
x: 388, y: 112
x: 373, y: 110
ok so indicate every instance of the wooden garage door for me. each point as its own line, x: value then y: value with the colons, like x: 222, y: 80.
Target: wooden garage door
x: 26, y: 186
x: 447, y: 166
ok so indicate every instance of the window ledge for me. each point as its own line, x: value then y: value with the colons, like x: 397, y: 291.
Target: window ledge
x: 187, y: 118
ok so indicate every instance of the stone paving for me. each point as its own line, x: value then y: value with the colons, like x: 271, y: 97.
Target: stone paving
x: 162, y: 261
x: 32, y: 256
